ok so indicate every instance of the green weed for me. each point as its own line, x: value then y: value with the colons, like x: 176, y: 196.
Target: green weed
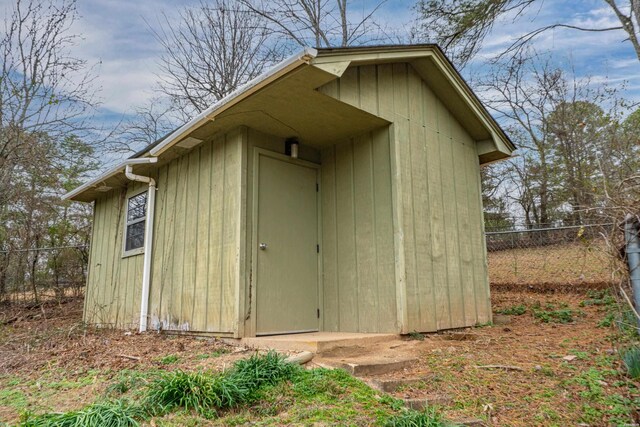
x: 417, y: 336
x: 216, y: 353
x: 516, y: 310
x: 168, y: 360
x: 127, y: 380
x: 426, y: 418
x: 189, y: 390
x: 115, y: 413
x: 563, y: 315
x: 204, y: 393
x: 599, y: 298
x: 631, y: 359
x: 608, y: 321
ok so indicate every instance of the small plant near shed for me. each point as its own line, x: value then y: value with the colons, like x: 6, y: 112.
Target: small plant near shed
x: 554, y: 314
x: 516, y: 310
x: 417, y: 336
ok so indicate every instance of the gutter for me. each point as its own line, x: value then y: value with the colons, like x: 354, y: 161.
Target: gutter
x: 148, y: 233
x: 252, y: 86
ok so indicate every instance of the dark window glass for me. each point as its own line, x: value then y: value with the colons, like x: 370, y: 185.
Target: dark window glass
x: 136, y: 213
x: 137, y: 207
x: 135, y: 236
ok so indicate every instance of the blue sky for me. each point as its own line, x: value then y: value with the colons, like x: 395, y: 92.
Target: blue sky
x: 118, y: 41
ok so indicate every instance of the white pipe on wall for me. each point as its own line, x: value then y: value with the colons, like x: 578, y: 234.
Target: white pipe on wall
x: 148, y: 235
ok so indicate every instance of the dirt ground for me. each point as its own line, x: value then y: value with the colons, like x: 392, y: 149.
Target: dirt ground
x: 549, y: 373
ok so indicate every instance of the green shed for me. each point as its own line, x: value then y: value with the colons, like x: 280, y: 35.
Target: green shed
x: 339, y: 191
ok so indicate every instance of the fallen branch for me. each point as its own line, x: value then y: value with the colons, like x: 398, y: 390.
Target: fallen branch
x: 128, y: 357
x: 505, y: 367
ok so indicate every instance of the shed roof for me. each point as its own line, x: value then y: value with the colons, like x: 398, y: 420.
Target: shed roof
x: 284, y: 102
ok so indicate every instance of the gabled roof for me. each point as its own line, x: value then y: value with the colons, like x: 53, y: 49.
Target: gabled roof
x: 284, y: 102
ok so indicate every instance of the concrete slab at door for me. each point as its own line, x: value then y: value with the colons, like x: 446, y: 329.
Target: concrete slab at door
x: 287, y: 238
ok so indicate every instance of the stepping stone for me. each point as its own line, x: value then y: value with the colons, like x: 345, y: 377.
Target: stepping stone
x: 470, y: 422
x: 392, y: 385
x: 370, y: 366
x: 501, y: 319
x: 421, y: 403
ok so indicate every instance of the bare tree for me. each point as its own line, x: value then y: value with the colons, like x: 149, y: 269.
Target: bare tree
x: 520, y: 94
x: 46, y: 102
x: 460, y: 26
x: 321, y: 23
x: 43, y: 89
x: 214, y: 48
x: 148, y: 123
x: 571, y: 138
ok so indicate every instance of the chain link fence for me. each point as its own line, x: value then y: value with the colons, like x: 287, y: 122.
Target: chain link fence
x: 35, y: 275
x: 565, y: 255
x: 549, y: 256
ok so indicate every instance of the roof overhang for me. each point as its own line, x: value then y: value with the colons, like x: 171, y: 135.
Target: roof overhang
x: 284, y: 102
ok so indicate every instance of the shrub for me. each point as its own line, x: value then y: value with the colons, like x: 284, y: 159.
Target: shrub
x: 415, y: 335
x: 268, y: 369
x: 189, y: 390
x: 205, y: 393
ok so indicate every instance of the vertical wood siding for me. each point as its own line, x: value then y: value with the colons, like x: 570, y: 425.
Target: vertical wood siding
x: 113, y: 285
x: 439, y: 226
x: 357, y: 222
x: 196, y: 262
x: 357, y: 236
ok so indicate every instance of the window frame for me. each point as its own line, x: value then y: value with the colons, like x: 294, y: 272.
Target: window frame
x: 137, y: 251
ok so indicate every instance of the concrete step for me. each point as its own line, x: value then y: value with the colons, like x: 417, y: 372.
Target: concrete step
x: 368, y: 366
x: 316, y: 342
x: 392, y: 385
x: 469, y: 422
x: 421, y: 403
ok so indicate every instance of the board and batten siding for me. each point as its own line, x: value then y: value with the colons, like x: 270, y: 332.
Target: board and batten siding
x: 113, y: 283
x: 359, y: 293
x: 196, y: 251
x: 440, y: 258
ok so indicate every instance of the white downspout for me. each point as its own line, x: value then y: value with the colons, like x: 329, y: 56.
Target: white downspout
x: 148, y: 234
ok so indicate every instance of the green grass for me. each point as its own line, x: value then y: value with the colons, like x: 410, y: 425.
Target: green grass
x: 115, y: 413
x: 168, y: 360
x: 427, y: 418
x: 263, y: 389
x: 216, y: 353
x: 127, y: 381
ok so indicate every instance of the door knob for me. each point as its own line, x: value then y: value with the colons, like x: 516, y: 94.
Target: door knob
x: 262, y: 246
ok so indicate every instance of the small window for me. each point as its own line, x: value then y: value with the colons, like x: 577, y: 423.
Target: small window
x: 134, y: 231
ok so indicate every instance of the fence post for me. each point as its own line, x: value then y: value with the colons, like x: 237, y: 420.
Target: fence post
x: 632, y: 239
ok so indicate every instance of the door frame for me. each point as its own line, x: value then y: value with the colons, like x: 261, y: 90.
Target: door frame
x: 257, y: 152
